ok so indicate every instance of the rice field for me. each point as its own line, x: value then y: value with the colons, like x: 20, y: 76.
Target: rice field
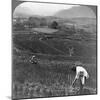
x: 48, y: 78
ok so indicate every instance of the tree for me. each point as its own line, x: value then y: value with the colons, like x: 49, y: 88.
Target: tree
x: 54, y: 25
x: 43, y: 22
x: 33, y: 22
x: 18, y: 26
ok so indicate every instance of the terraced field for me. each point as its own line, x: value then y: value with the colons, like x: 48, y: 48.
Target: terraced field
x: 52, y: 76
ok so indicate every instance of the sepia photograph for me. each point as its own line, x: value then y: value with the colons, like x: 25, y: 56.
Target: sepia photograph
x: 54, y: 49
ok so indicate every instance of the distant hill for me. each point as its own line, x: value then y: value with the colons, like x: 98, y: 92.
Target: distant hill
x: 84, y: 20
x: 77, y: 11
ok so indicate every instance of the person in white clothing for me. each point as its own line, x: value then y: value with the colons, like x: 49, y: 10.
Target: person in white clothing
x: 81, y: 75
x: 33, y: 60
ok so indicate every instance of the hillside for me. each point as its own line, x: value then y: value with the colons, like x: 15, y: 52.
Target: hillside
x: 76, y: 11
x: 36, y: 46
x: 80, y: 48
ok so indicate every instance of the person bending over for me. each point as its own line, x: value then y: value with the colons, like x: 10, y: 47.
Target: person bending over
x: 81, y: 75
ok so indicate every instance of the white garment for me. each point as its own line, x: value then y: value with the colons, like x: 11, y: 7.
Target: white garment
x: 83, y: 70
x: 83, y: 80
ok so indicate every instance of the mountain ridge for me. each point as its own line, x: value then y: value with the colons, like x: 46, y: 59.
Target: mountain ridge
x: 75, y: 12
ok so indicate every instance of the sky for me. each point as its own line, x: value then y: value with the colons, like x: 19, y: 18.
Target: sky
x: 42, y: 9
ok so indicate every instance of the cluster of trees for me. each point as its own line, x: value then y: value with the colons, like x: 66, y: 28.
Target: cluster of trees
x: 33, y: 22
x: 54, y: 25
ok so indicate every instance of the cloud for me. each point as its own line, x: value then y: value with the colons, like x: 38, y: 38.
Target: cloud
x: 43, y: 9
